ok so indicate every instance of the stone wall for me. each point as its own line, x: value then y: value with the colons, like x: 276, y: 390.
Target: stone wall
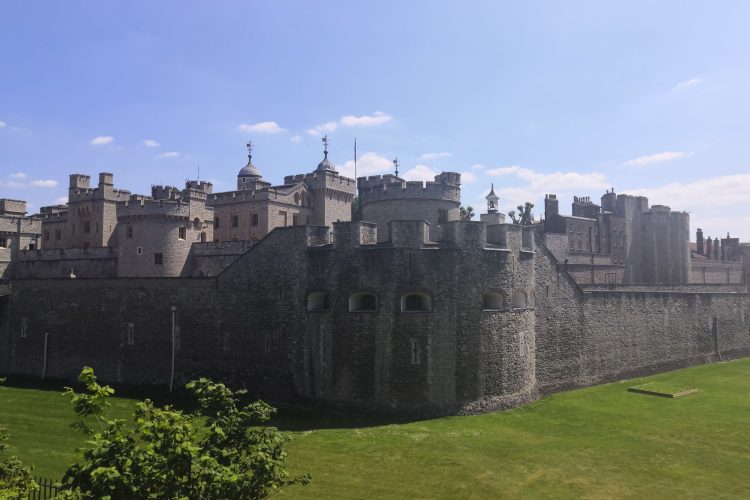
x: 493, y: 325
x: 94, y: 262
x: 716, y: 271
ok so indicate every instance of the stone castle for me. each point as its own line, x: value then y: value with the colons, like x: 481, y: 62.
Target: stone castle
x: 406, y: 309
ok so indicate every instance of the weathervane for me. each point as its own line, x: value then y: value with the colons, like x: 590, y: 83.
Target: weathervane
x: 250, y: 150
x: 395, y: 164
x: 325, y: 145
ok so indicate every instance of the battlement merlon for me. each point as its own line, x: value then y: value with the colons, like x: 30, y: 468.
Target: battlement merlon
x: 138, y: 207
x: 13, y: 208
x: 325, y: 179
x: 447, y: 186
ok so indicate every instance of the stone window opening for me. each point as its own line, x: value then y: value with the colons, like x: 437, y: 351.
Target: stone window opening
x: 24, y: 326
x: 32, y: 246
x: 267, y: 346
x: 493, y: 301
x: 86, y: 226
x: 414, y: 352
x: 217, y: 222
x: 416, y: 302
x: 204, y: 236
x: 519, y: 299
x: 131, y: 333
x: 159, y: 258
x: 129, y: 232
x: 182, y: 233
x: 235, y: 221
x: 442, y: 216
x: 363, y: 302
x: 254, y: 219
x: 318, y: 301
x: 296, y: 198
x: 139, y: 251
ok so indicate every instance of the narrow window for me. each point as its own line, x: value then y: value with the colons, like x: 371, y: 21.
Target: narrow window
x: 131, y: 333
x: 416, y: 355
x: 296, y: 198
x: 493, y: 301
x: 295, y: 219
x: 318, y: 301
x: 546, y: 292
x: 235, y: 221
x: 182, y: 233
x: 129, y: 232
x: 282, y: 216
x: 254, y: 219
x: 217, y: 222
x: 519, y: 299
x: 139, y: 250
x: 86, y: 226
x: 23, y: 327
x: 46, y: 235
x: 362, y: 302
x: 416, y: 302
x: 159, y: 258
x: 442, y: 216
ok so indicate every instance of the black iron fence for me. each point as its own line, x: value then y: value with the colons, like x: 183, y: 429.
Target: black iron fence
x: 47, y: 489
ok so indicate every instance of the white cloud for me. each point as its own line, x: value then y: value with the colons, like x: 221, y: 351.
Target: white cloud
x: 468, y: 177
x: 531, y: 185
x: 322, y: 128
x: 657, y: 158
x: 18, y: 175
x: 62, y: 200
x: 260, y: 128
x: 686, y: 83
x: 420, y: 173
x: 295, y: 139
x: 150, y: 143
x: 3, y: 124
x: 377, y: 118
x: 477, y: 166
x: 45, y: 183
x: 717, y: 204
x: 434, y: 156
x: 101, y: 139
x: 13, y: 184
x: 368, y: 164
x: 169, y: 154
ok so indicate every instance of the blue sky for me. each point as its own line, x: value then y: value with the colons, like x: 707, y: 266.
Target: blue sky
x: 538, y: 97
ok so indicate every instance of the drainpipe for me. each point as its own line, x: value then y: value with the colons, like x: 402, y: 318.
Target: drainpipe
x: 44, y: 365
x: 171, y: 377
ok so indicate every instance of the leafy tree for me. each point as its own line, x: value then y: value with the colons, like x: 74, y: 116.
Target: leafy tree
x: 525, y: 217
x: 16, y: 480
x: 467, y: 213
x: 222, y: 450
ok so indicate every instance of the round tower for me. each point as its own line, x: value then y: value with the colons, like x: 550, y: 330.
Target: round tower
x: 389, y: 197
x: 155, y: 234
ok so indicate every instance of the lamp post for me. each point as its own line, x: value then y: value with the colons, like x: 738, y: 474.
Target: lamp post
x: 171, y: 377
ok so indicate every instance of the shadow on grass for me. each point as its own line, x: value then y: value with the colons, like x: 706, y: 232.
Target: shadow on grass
x: 292, y: 418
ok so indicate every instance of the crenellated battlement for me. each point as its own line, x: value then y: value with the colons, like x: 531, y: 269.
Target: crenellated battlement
x: 140, y: 206
x: 447, y: 186
x: 322, y: 179
x: 12, y: 207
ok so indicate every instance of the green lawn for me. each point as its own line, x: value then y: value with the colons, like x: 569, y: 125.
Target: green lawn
x: 599, y: 442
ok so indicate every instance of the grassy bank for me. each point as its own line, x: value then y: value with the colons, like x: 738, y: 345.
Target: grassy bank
x: 599, y: 442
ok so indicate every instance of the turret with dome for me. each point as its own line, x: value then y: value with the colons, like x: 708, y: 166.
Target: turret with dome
x: 249, y: 176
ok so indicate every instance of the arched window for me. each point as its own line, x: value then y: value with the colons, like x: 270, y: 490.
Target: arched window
x: 493, y: 301
x: 203, y: 236
x: 416, y: 302
x: 519, y: 299
x: 318, y: 301
x: 296, y: 198
x: 304, y: 199
x: 362, y: 302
